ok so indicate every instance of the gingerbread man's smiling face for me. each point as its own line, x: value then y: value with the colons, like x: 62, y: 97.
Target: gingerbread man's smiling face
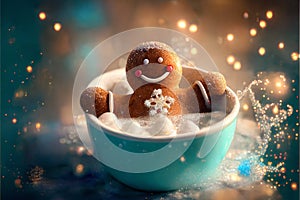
x: 153, y: 62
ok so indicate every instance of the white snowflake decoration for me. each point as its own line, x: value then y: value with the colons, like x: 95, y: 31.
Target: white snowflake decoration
x: 158, y: 104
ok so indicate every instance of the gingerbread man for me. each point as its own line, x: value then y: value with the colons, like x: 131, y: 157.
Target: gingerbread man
x: 154, y: 72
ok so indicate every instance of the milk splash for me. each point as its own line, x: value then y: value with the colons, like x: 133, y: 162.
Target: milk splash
x: 244, y: 166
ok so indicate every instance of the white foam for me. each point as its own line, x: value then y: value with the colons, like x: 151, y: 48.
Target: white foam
x: 161, y: 125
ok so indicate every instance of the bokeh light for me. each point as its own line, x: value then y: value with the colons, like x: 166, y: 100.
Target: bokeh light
x: 29, y: 69
x: 245, y: 107
x: 261, y: 51
x: 294, y: 186
x: 253, y: 32
x: 295, y: 56
x: 246, y: 15
x: 230, y: 37
x: 262, y: 24
x: 42, y: 15
x: 14, y: 120
x: 280, y: 45
x: 193, y: 28
x: 38, y: 126
x: 275, y: 110
x: 230, y: 59
x: 79, y: 169
x: 237, y: 65
x: 181, y: 24
x: 57, y: 26
x: 269, y: 14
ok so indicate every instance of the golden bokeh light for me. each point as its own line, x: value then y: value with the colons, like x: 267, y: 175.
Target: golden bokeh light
x: 294, y: 186
x: 275, y: 110
x: 230, y: 59
x: 193, y: 28
x: 181, y: 24
x: 269, y: 14
x: 278, y: 84
x: 280, y: 45
x: 283, y: 170
x: 262, y: 24
x: 57, y: 26
x: 42, y: 15
x: 262, y: 51
x: 245, y: 107
x: 295, y: 56
x: 237, y: 65
x: 79, y: 168
x: 230, y: 37
x: 253, y: 32
x: 14, y: 120
x: 38, y: 125
x: 29, y: 69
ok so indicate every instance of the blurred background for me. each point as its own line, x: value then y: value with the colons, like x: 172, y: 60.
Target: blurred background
x: 44, y: 42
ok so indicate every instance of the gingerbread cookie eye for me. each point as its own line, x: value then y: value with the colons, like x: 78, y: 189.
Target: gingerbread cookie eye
x: 160, y: 60
x: 146, y: 61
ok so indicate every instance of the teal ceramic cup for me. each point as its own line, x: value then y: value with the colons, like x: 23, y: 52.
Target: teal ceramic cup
x: 163, y: 163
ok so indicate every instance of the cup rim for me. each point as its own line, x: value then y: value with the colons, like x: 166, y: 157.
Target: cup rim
x: 216, y: 127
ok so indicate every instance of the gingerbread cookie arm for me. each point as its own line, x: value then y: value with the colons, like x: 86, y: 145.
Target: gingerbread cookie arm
x: 95, y: 100
x: 213, y: 82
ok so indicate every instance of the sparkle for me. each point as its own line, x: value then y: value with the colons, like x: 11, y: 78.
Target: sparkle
x: 230, y: 37
x: 230, y: 59
x: 253, y: 32
x: 261, y: 51
x: 262, y: 24
x: 57, y: 26
x: 280, y: 45
x: 237, y: 65
x: 29, y: 69
x: 181, y: 24
x: 42, y: 15
x: 269, y: 14
x: 295, y: 56
x: 193, y: 28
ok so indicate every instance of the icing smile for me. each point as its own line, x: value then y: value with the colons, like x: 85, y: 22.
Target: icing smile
x: 138, y: 73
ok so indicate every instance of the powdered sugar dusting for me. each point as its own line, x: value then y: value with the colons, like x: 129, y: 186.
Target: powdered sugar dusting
x: 146, y: 46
